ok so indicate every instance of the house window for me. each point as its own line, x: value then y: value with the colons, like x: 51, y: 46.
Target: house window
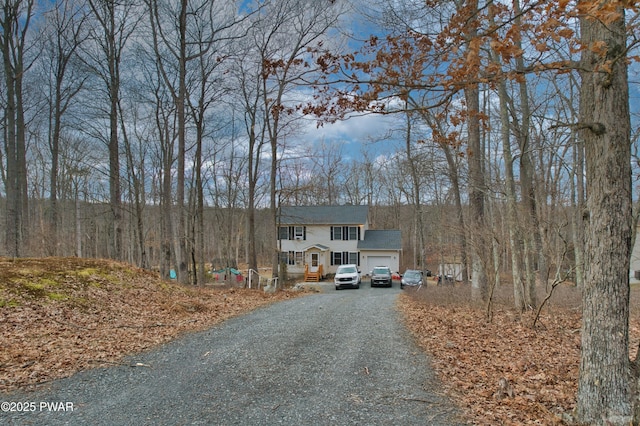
x: 292, y: 233
x: 353, y: 233
x: 292, y: 257
x: 283, y: 233
x: 345, y: 233
x: 336, y: 233
x: 344, y: 257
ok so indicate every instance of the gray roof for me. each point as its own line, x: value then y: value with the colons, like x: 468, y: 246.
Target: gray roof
x: 381, y: 240
x: 324, y: 215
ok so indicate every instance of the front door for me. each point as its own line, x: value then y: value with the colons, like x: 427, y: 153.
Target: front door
x: 315, y: 260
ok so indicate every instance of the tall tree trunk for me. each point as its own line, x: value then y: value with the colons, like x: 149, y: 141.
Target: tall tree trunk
x: 533, y: 254
x: 107, y: 15
x: 604, y: 388
x: 21, y: 156
x: 166, y: 228
x: 254, y: 169
x: 273, y: 234
x: 477, y: 226
x: 199, y: 271
x: 12, y: 238
x: 167, y: 253
x: 54, y: 146
x: 114, y: 148
x: 15, y: 20
x: 454, y: 179
x: 136, y: 190
x: 515, y: 239
x: 416, y: 197
x: 183, y: 273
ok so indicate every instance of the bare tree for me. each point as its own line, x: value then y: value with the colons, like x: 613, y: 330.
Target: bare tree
x: 65, y: 32
x: 328, y: 167
x: 15, y: 20
x: 276, y: 61
x: 169, y: 31
x: 294, y: 26
x: 248, y: 80
x: 114, y: 24
x: 515, y: 231
x: 215, y: 27
x: 189, y: 42
x: 604, y: 388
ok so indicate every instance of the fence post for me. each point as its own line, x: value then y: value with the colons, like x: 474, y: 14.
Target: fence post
x: 251, y: 272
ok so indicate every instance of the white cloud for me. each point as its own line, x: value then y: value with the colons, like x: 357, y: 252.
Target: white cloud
x: 354, y: 132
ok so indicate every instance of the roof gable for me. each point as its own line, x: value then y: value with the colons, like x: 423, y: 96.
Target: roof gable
x: 324, y: 215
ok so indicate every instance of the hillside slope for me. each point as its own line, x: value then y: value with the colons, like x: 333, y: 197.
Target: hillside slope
x: 61, y: 315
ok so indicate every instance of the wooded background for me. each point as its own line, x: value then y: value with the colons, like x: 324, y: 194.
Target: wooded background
x: 167, y: 133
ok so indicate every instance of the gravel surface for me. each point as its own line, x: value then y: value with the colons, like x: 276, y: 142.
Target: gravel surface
x: 334, y: 358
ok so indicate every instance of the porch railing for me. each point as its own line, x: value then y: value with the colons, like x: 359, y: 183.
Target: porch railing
x: 313, y: 276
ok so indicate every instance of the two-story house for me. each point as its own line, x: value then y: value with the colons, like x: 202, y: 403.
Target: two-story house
x: 314, y: 240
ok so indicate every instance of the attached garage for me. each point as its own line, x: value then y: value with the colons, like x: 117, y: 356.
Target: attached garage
x: 380, y: 248
x: 373, y: 261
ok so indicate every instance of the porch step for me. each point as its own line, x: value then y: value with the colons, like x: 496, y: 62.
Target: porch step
x: 312, y: 277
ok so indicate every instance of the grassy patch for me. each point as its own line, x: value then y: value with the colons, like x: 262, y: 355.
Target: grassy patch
x: 36, y: 290
x: 57, y: 296
x: 87, y: 272
x: 9, y: 303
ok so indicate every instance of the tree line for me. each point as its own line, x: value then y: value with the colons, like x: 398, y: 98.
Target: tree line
x: 123, y: 120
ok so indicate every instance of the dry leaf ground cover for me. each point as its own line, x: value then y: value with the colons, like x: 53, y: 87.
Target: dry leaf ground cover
x: 504, y: 371
x: 61, y: 315
x: 58, y: 316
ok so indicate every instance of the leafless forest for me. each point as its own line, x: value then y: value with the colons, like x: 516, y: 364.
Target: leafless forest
x: 167, y: 134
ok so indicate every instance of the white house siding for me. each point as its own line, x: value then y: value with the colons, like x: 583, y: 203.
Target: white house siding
x: 319, y: 235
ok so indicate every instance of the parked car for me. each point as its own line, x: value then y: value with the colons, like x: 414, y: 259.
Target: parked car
x: 347, y: 276
x: 411, y: 278
x: 381, y: 276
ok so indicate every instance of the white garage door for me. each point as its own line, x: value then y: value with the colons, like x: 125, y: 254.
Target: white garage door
x: 373, y: 261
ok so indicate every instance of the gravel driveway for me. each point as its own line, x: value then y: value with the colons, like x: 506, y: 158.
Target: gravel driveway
x: 334, y: 358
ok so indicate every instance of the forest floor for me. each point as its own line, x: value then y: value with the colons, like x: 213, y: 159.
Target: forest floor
x: 59, y: 316
x: 505, y: 370
x: 62, y: 315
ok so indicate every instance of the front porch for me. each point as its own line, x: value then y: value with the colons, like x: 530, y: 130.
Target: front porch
x: 313, y: 276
